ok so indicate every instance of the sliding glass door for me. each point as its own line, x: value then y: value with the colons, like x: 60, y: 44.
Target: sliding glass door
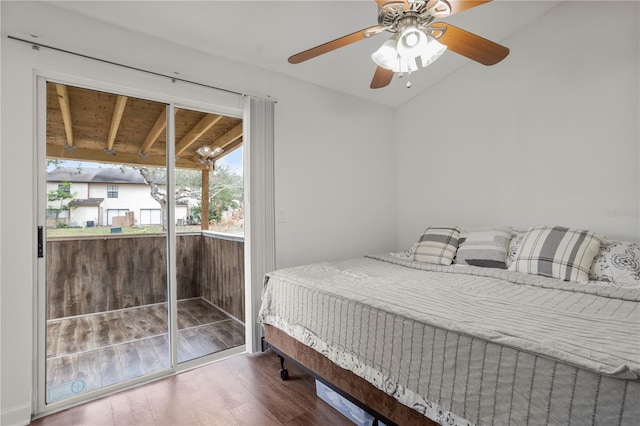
x: 209, y: 234
x: 106, y: 286
x: 141, y: 235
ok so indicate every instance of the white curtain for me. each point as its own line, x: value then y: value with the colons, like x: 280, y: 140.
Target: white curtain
x: 259, y: 208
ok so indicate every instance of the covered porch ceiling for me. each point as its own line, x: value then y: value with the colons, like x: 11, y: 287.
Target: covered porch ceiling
x: 89, y: 125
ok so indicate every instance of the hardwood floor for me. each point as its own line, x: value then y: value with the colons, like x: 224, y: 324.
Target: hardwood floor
x: 241, y: 390
x: 98, y: 350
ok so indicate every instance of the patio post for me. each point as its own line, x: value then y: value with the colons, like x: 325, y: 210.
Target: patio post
x: 204, y: 211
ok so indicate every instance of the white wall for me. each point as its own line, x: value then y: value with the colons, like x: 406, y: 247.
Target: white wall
x: 79, y: 190
x: 333, y: 182
x: 80, y: 215
x: 548, y: 136
x: 335, y: 204
x: 1, y: 208
x: 131, y: 196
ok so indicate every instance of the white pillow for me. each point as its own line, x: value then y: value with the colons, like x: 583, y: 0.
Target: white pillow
x: 617, y: 263
x: 514, y: 246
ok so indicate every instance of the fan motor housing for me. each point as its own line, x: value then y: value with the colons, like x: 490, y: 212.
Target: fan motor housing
x: 394, y: 16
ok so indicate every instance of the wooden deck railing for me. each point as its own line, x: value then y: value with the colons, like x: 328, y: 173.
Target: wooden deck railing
x: 87, y: 274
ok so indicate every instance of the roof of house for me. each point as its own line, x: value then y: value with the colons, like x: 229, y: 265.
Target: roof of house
x: 91, y: 175
x: 88, y: 202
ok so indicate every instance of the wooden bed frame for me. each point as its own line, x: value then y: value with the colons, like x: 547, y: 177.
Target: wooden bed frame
x: 382, y: 406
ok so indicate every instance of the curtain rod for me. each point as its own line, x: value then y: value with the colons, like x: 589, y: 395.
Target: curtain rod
x: 36, y: 46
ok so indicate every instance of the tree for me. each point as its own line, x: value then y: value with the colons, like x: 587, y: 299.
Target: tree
x: 188, y: 179
x: 157, y: 181
x: 226, y: 192
x: 59, y: 195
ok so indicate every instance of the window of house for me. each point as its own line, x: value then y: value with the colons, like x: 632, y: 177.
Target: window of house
x: 150, y: 217
x: 66, y: 188
x: 112, y: 191
x: 111, y: 213
x: 57, y: 214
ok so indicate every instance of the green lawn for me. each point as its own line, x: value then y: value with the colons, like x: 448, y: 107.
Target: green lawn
x: 106, y: 230
x: 101, y: 230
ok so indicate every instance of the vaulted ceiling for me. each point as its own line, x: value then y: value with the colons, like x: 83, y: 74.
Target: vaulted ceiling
x: 265, y: 33
x: 89, y: 125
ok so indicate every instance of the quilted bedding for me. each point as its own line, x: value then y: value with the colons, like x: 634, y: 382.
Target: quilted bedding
x: 469, y: 345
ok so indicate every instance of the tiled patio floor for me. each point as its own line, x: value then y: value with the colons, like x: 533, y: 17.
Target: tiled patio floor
x: 92, y: 351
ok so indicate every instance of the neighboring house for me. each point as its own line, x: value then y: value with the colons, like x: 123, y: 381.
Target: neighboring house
x: 100, y: 195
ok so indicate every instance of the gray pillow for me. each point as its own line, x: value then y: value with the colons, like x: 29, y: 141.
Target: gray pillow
x: 557, y: 252
x: 485, y: 247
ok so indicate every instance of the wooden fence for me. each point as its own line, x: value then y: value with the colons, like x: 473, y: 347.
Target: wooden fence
x: 88, y: 275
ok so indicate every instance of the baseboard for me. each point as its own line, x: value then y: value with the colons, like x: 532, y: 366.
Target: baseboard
x: 17, y: 415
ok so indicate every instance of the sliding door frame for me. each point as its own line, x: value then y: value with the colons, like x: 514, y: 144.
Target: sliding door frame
x: 39, y: 406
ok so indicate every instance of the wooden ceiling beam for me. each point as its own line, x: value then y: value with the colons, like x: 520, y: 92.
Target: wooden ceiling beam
x: 65, y: 108
x: 229, y: 137
x: 83, y: 154
x: 207, y: 122
x: 156, y: 131
x: 233, y: 146
x: 118, y: 110
x: 230, y: 148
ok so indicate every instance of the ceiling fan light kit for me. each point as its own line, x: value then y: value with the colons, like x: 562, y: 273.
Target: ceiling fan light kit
x: 415, y: 36
x: 400, y: 54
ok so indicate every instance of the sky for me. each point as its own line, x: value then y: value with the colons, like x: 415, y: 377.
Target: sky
x: 233, y: 160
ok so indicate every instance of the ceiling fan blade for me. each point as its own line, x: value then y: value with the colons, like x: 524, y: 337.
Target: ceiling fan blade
x: 458, y: 6
x: 334, y: 44
x: 381, y: 78
x: 468, y: 44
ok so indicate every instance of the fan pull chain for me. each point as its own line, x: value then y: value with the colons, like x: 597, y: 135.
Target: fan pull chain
x: 400, y: 75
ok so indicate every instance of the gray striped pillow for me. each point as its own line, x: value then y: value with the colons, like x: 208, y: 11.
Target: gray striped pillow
x: 557, y: 252
x: 485, y: 247
x: 437, y: 245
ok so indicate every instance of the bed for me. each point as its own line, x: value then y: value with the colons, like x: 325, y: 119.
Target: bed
x: 420, y: 342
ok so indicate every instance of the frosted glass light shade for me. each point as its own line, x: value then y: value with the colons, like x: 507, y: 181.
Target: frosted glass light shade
x: 412, y: 43
x: 386, y: 56
x: 401, y: 52
x: 433, y: 51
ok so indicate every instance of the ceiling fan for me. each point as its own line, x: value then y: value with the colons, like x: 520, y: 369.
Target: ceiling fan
x: 417, y: 40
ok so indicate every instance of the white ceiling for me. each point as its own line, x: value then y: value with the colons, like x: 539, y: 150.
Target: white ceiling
x: 266, y: 33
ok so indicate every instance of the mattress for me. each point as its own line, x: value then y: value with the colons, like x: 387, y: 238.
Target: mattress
x: 469, y: 345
